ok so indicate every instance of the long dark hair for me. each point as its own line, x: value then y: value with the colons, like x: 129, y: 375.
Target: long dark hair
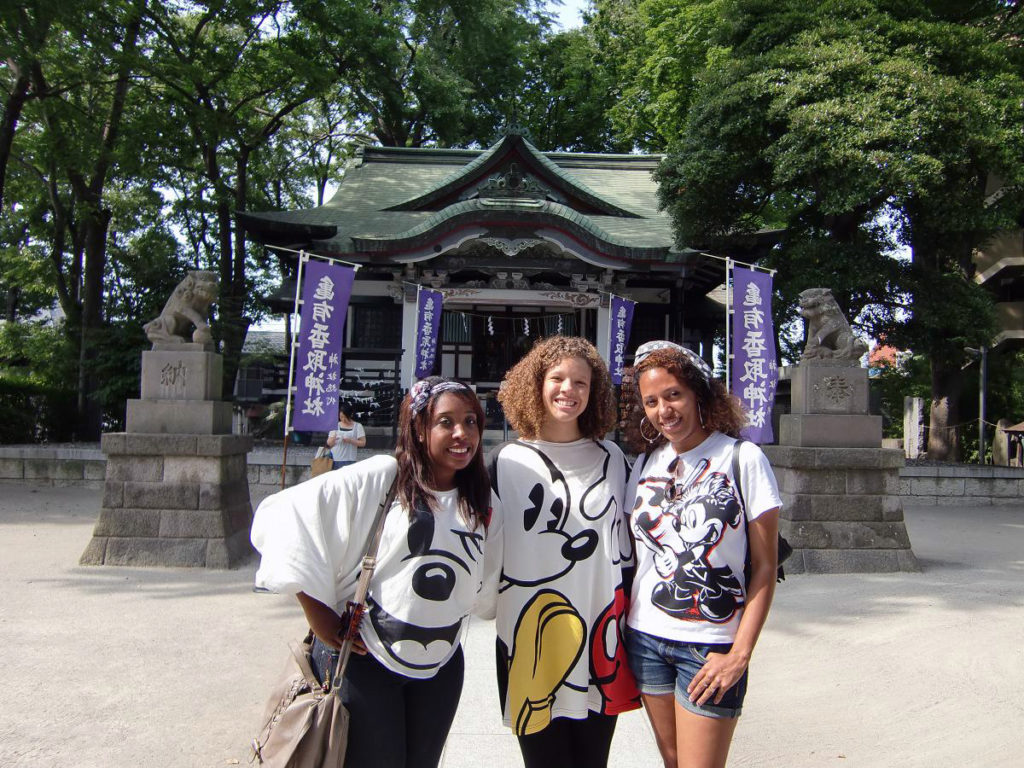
x: 415, y: 472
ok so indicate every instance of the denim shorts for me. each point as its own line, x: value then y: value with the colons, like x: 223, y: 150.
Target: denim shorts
x: 663, y: 666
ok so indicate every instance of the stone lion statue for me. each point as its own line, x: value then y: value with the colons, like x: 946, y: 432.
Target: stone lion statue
x: 189, y: 305
x: 829, y: 337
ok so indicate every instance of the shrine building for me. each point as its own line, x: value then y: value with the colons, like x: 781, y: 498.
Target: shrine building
x: 520, y: 243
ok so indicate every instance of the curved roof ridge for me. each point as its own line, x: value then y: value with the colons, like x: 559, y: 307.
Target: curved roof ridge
x: 563, y: 212
x: 503, y: 146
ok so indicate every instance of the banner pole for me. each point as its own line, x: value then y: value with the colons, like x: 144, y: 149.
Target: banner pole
x: 291, y: 367
x: 729, y: 319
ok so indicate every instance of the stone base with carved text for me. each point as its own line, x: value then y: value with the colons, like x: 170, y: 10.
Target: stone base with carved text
x: 176, y: 490
x: 842, y: 510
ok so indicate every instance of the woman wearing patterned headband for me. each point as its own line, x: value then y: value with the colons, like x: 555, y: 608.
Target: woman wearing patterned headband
x: 562, y: 671
x: 700, y: 500
x: 402, y: 688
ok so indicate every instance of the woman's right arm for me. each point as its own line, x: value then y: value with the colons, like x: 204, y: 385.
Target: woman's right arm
x: 324, y: 621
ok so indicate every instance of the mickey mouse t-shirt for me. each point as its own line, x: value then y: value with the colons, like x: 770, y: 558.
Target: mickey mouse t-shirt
x: 312, y: 539
x: 561, y: 596
x: 691, y: 538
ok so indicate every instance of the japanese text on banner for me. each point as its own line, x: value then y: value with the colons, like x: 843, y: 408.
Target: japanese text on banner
x: 755, y: 372
x: 619, y: 328
x: 326, y: 290
x: 428, y: 320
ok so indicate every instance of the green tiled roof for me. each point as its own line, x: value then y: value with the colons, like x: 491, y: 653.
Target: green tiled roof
x: 383, y: 178
x: 536, y: 214
x: 493, y: 157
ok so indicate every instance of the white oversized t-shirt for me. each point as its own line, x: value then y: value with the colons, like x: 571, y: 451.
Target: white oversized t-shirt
x: 691, y: 539
x: 312, y: 539
x: 561, y: 597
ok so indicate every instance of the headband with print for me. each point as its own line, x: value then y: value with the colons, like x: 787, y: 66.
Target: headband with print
x: 692, y: 357
x: 422, y: 391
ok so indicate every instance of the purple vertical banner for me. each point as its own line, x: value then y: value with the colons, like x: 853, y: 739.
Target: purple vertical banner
x: 326, y: 289
x: 755, y: 367
x: 428, y: 320
x: 618, y: 330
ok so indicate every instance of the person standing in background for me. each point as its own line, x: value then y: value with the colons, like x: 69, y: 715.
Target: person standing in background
x: 346, y: 439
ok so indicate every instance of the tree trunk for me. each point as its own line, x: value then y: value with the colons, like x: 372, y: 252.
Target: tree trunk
x: 12, y: 113
x: 943, y: 438
x: 90, y: 406
x: 96, y: 224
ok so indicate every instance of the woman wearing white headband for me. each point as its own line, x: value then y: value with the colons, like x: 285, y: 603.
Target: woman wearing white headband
x: 697, y: 606
x: 403, y: 687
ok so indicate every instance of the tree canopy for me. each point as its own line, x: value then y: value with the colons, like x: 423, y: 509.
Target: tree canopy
x: 859, y: 126
x: 134, y: 131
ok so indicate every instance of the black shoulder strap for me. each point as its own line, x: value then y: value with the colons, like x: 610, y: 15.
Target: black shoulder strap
x: 785, y: 550
x: 736, y: 472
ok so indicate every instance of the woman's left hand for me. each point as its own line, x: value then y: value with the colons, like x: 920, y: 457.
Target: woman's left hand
x: 720, y: 672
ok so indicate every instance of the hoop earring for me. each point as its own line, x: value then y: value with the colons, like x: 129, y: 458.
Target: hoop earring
x: 700, y: 416
x: 657, y: 434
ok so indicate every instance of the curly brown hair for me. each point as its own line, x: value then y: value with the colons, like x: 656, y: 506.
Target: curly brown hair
x: 722, y: 411
x: 415, y: 475
x: 520, y: 394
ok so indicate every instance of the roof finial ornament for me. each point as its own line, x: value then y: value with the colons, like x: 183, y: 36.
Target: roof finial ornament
x: 513, y: 126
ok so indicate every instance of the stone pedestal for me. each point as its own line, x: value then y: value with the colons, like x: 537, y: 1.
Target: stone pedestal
x: 830, y: 409
x: 176, y: 490
x: 842, y: 511
x: 840, y: 489
x: 181, y: 391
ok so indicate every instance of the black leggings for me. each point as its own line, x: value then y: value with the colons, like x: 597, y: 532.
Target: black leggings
x: 569, y: 743
x: 395, y: 721
x: 564, y: 743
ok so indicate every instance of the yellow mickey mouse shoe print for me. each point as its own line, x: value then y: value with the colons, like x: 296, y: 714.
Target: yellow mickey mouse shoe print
x: 549, y: 640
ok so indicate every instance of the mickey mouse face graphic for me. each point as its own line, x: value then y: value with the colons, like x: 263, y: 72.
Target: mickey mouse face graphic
x: 415, y: 614
x: 557, y: 528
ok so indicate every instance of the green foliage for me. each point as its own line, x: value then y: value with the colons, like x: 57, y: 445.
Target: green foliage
x: 567, y: 100
x: 656, y: 52
x: 37, y: 375
x: 419, y: 72
x: 894, y: 383
x: 827, y: 118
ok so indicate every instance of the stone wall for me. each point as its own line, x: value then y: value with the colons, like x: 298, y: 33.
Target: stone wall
x: 943, y: 485
x: 952, y: 485
x: 842, y: 512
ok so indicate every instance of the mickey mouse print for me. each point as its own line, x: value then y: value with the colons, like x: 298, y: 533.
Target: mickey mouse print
x: 688, y: 523
x: 561, y: 596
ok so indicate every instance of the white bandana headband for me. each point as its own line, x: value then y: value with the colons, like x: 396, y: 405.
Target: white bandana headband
x: 692, y: 357
x: 423, y: 390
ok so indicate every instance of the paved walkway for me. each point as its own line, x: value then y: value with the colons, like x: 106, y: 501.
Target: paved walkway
x: 163, y: 668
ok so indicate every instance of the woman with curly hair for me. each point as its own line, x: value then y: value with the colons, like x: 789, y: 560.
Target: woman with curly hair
x: 701, y: 500
x: 404, y: 684
x: 567, y: 556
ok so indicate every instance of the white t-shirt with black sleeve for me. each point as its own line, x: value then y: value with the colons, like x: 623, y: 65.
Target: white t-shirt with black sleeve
x: 312, y: 538
x: 691, y: 538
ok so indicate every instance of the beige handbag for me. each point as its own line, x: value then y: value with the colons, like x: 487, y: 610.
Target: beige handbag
x: 322, y: 462
x: 305, y: 723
